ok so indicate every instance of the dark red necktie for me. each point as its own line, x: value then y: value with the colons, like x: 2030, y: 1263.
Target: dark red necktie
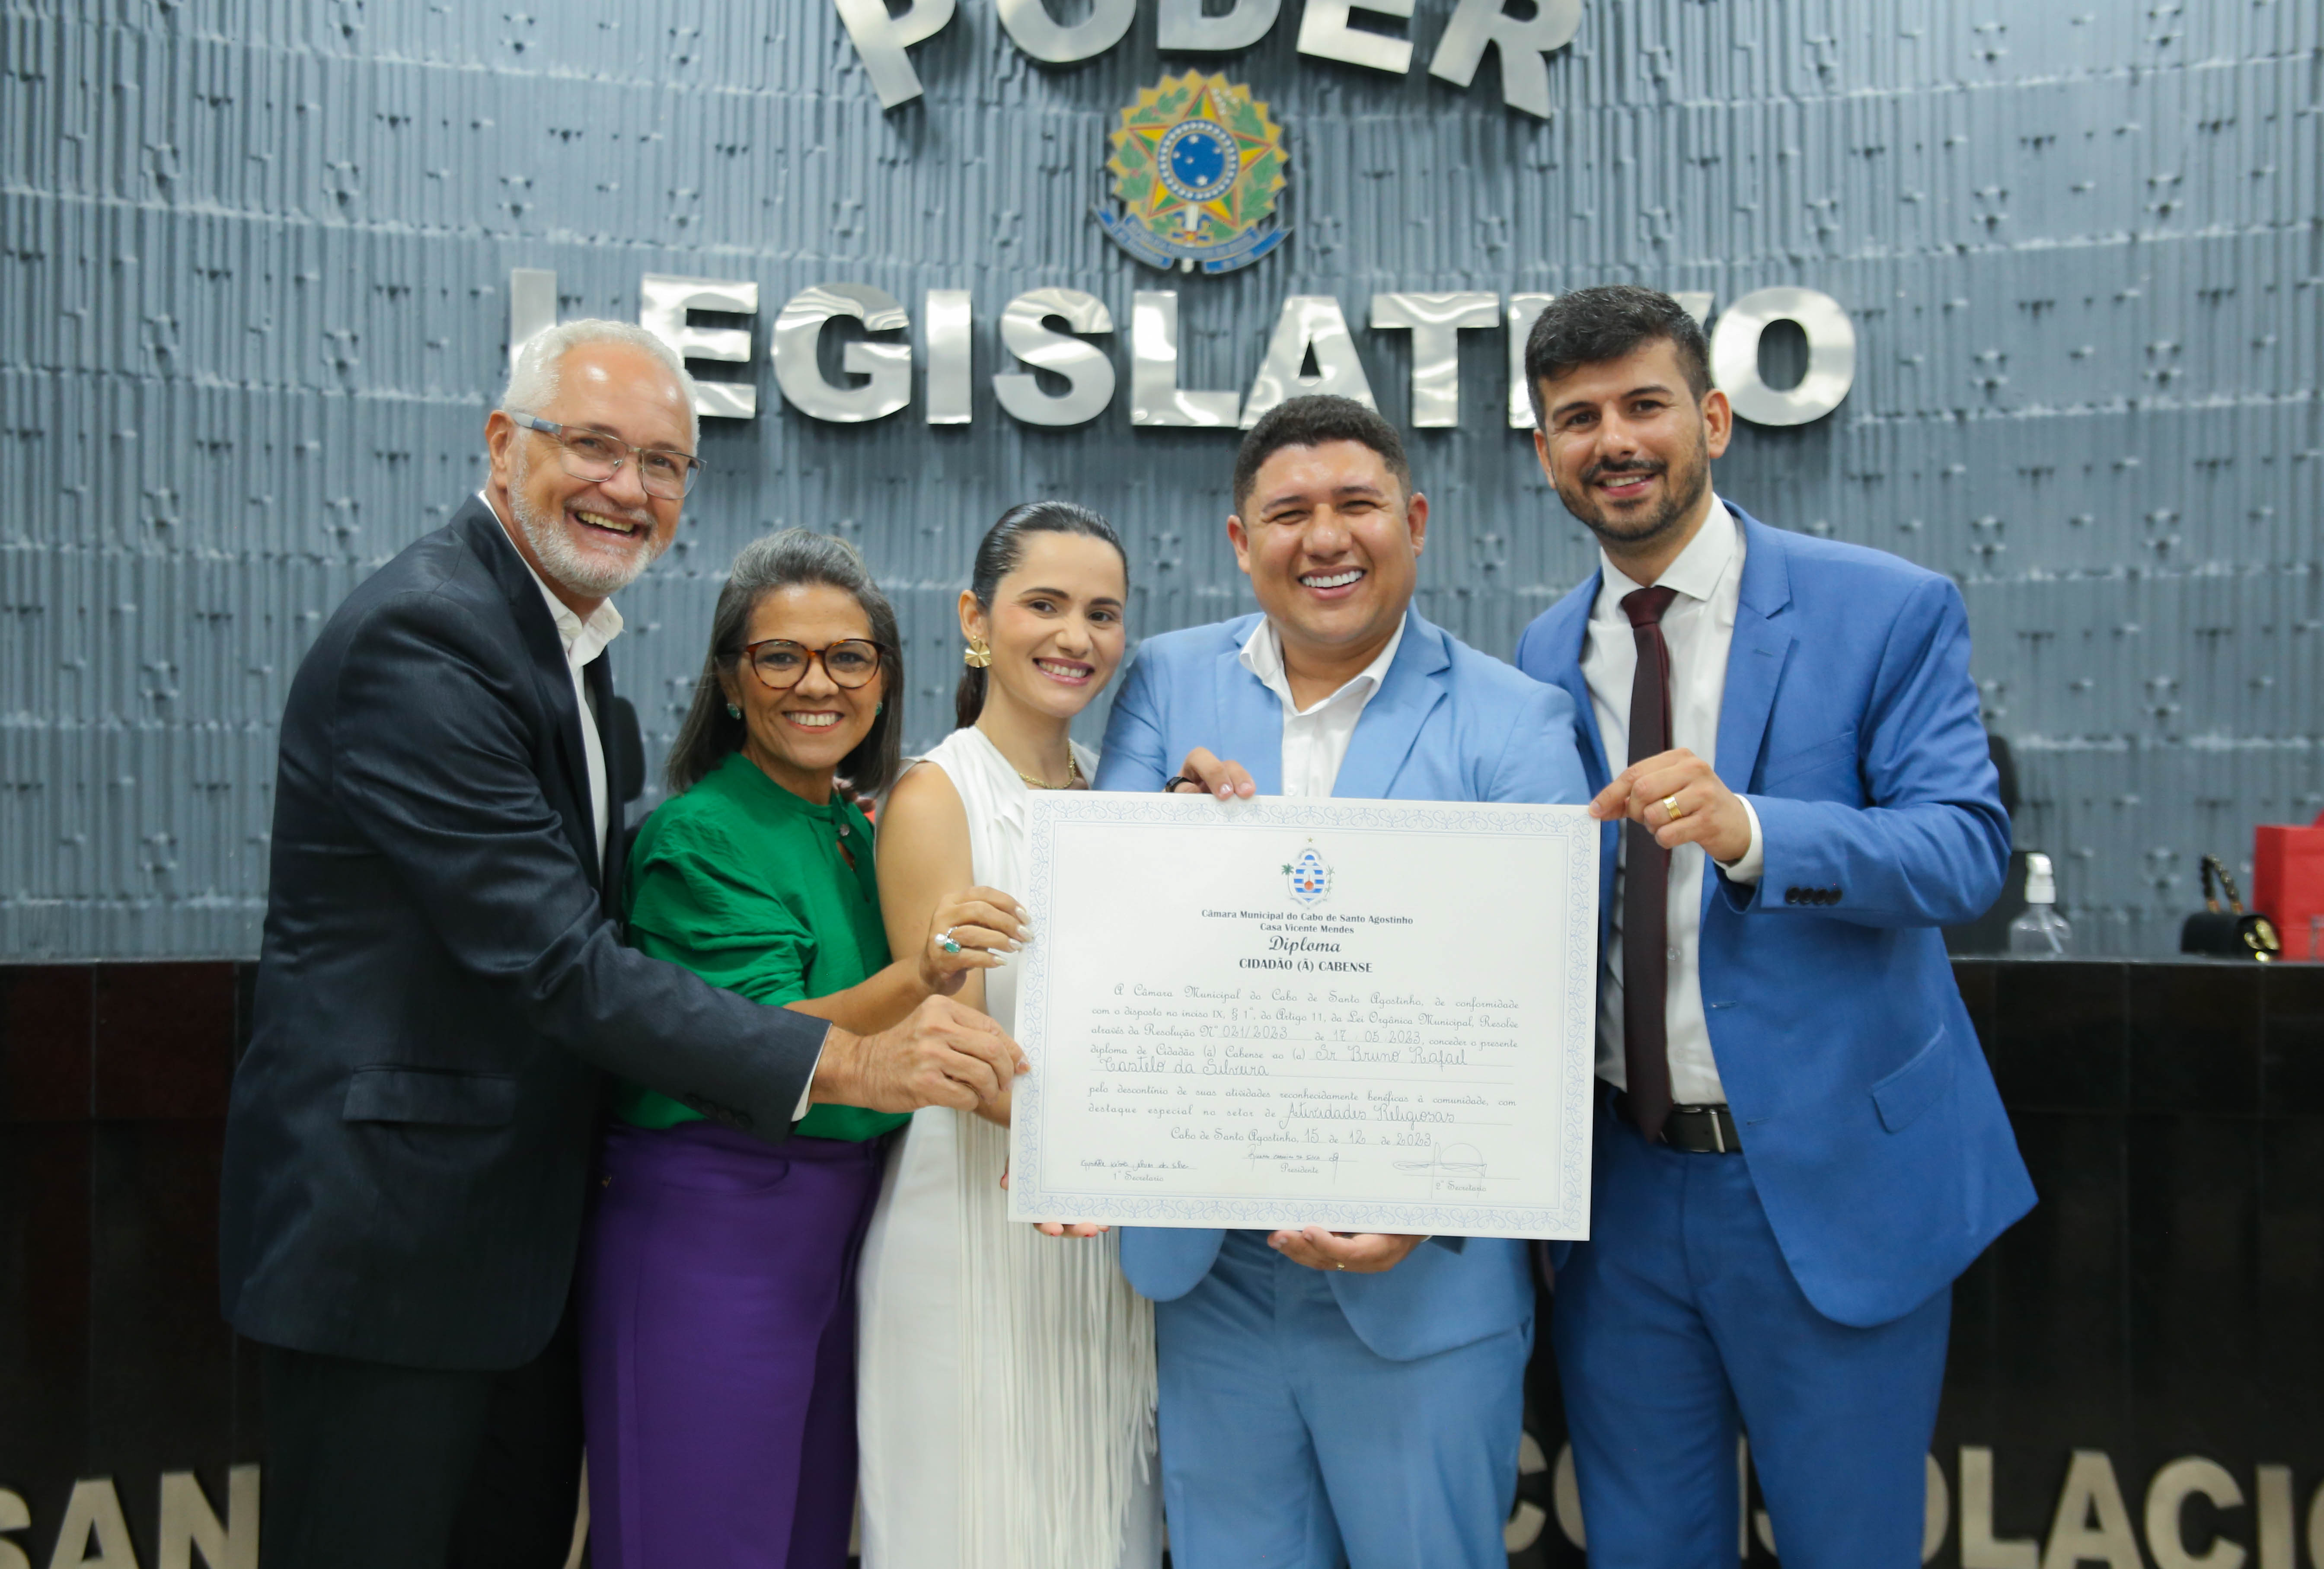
x: 1645, y: 879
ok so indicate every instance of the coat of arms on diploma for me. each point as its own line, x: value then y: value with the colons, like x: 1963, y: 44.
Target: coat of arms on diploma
x: 1310, y: 875
x: 1197, y: 165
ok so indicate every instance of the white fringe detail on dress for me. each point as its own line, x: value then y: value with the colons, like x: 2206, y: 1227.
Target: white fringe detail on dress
x: 1069, y: 1353
x: 1051, y: 1445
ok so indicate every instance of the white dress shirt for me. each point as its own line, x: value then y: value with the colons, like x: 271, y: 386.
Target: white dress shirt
x: 584, y: 640
x: 1315, y: 739
x: 1698, y: 628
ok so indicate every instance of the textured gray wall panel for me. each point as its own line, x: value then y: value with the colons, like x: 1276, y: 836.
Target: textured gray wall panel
x: 253, y: 263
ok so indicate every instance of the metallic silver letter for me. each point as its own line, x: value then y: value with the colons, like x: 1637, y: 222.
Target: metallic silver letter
x: 1184, y: 27
x: 880, y: 40
x: 1481, y: 24
x: 1036, y: 31
x: 15, y: 1515
x: 1832, y: 356
x: 1978, y: 1547
x: 1435, y: 321
x: 1566, y: 1493
x: 533, y: 305
x: 1024, y: 334
x: 798, y: 332
x: 188, y: 1525
x: 1325, y: 32
x: 1524, y: 309
x: 2276, y: 1512
x: 1695, y: 302
x: 1308, y: 322
x: 95, y: 1505
x: 662, y: 304
x: 2167, y: 1494
x: 2090, y: 1520
x: 2315, y: 1527
x: 1155, y: 398
x: 950, y: 356
x: 1936, y: 1510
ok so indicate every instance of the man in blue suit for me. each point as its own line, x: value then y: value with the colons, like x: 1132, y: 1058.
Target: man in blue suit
x: 1799, y: 1145
x: 1328, y: 1399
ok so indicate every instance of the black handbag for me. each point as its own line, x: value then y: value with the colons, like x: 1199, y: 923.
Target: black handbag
x: 2231, y: 933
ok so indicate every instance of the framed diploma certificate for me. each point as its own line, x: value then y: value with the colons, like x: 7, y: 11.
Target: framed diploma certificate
x: 1373, y: 1016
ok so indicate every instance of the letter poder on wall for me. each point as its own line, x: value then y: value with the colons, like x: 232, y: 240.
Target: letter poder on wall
x: 1180, y: 26
x: 1327, y: 32
x: 880, y: 40
x: 1523, y: 43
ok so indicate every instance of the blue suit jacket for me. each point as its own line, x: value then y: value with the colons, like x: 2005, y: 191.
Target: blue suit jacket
x: 1447, y: 725
x: 1875, y: 1137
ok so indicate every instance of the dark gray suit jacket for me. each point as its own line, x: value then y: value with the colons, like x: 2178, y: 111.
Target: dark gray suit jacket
x: 442, y: 979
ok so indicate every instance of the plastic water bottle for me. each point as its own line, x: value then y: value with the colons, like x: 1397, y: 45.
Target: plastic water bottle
x: 2040, y: 933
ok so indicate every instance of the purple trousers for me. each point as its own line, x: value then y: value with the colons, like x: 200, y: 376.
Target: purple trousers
x: 717, y: 1320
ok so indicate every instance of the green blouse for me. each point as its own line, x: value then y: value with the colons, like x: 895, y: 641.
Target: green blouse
x: 745, y: 885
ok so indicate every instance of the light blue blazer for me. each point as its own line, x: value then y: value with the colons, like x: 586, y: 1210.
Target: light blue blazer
x: 1876, y: 1140
x: 1447, y: 725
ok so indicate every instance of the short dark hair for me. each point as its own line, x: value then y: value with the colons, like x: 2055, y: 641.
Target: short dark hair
x: 1001, y: 552
x: 1311, y: 421
x: 793, y: 558
x: 1592, y: 326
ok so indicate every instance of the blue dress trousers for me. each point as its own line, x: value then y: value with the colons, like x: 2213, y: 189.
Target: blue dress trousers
x: 1311, y: 1420
x: 1802, y: 1289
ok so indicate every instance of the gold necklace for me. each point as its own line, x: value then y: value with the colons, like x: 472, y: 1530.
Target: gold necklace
x: 1073, y: 776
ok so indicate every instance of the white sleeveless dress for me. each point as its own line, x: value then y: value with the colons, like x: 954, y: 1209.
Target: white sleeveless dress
x: 1005, y: 1380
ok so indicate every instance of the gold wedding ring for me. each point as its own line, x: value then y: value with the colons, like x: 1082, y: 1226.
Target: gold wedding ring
x: 1670, y: 805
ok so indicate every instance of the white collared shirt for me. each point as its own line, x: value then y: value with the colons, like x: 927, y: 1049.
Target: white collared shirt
x: 1699, y: 628
x: 1315, y: 739
x: 584, y: 640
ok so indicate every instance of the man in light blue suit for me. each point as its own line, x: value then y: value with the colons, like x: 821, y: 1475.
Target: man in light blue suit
x: 1328, y: 1399
x: 1799, y: 1145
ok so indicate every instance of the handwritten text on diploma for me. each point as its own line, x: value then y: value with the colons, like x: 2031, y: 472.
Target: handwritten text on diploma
x: 1360, y: 1017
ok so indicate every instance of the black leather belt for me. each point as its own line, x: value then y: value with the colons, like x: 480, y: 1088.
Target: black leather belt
x: 1691, y: 1130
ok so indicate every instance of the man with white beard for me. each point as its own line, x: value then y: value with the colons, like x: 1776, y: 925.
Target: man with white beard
x: 442, y: 982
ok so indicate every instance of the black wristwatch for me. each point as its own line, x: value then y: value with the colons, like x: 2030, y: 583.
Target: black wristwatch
x: 1170, y: 786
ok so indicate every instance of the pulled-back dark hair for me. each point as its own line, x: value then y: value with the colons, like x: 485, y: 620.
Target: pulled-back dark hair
x: 793, y: 558
x: 1310, y: 421
x: 1001, y: 552
x: 1592, y: 326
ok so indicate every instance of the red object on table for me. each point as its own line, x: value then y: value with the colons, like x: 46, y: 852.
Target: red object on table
x: 2288, y: 882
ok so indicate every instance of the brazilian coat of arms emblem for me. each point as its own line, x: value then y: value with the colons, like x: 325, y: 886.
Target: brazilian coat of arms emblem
x: 1197, y: 166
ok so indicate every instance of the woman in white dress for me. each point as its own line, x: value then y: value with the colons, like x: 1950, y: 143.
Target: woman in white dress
x: 1005, y: 1392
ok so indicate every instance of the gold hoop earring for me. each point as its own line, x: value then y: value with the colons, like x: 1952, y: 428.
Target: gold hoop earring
x: 979, y: 655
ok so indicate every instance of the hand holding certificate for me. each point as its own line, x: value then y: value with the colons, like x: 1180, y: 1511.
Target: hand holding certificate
x: 1372, y: 1016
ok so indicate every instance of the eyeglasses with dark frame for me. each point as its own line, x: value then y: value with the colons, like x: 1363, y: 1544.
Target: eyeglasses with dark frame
x: 596, y: 457
x: 782, y: 664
